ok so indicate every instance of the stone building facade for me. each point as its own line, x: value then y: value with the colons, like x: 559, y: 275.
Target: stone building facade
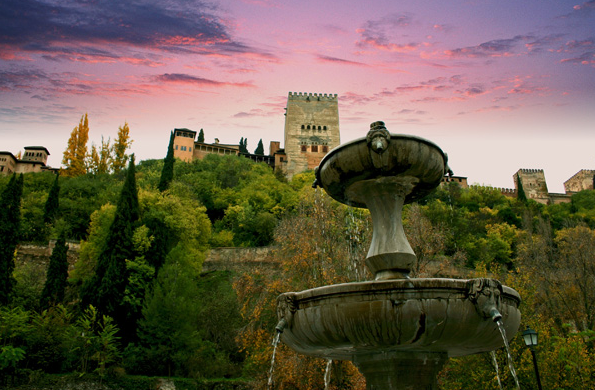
x: 34, y: 160
x: 533, y: 183
x: 311, y: 130
x: 582, y: 180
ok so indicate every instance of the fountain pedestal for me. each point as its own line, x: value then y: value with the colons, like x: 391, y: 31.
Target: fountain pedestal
x: 398, y: 331
x: 401, y: 370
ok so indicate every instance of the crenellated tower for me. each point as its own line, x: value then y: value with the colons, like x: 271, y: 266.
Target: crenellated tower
x: 311, y: 129
x: 534, y: 184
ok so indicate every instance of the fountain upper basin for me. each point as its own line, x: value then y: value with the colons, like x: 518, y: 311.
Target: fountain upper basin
x: 346, y: 321
x: 402, y: 156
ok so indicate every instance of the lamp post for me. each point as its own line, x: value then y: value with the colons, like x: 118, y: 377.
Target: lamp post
x: 530, y: 337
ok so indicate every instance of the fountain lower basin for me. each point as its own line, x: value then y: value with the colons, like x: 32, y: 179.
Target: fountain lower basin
x: 351, y: 320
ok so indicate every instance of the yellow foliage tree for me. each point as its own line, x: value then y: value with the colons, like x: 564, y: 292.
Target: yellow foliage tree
x: 99, y: 160
x: 76, y: 152
x: 314, y: 250
x: 122, y: 143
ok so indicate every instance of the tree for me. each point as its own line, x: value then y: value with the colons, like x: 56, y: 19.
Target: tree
x: 122, y: 143
x: 57, y: 274
x: 520, y: 191
x: 99, y: 160
x: 259, y: 149
x: 10, y: 215
x: 106, y: 288
x: 201, y: 136
x: 52, y: 203
x: 244, y: 145
x: 167, y: 174
x: 76, y: 152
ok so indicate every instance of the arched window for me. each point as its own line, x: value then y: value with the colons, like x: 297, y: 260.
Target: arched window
x: 319, y: 128
x: 308, y: 127
x: 324, y: 127
x: 303, y: 127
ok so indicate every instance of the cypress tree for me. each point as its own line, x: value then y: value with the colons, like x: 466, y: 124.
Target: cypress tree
x: 167, y: 174
x: 105, y: 289
x: 244, y: 145
x: 57, y: 274
x: 520, y: 191
x: 52, y: 204
x: 201, y: 136
x: 10, y: 218
x: 259, y: 149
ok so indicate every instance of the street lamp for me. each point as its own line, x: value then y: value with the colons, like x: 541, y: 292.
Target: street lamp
x: 530, y: 337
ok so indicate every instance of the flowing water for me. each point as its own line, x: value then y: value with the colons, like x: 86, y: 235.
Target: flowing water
x: 327, y: 374
x: 510, y: 364
x: 495, y: 361
x: 275, y: 343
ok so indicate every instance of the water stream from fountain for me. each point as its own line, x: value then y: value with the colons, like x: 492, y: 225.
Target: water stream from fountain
x: 509, y: 356
x: 495, y: 361
x: 275, y: 343
x: 327, y: 374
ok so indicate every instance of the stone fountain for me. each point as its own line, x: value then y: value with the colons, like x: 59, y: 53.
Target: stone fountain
x: 399, y: 331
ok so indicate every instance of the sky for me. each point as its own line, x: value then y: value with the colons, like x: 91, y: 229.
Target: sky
x: 497, y: 84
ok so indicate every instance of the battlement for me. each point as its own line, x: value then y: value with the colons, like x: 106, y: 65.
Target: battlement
x: 311, y: 96
x: 523, y: 170
x: 504, y: 191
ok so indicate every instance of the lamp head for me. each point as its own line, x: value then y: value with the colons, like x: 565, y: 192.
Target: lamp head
x: 530, y: 337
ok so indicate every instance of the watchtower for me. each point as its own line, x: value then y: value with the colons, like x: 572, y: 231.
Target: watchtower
x: 311, y: 129
x: 533, y: 183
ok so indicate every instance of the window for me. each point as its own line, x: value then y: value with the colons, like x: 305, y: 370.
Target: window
x: 315, y: 148
x: 308, y: 127
x: 324, y: 149
x: 304, y: 148
x: 176, y: 147
x: 303, y: 127
x: 324, y: 128
x: 190, y: 148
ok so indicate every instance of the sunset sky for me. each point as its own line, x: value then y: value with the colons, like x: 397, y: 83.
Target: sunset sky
x: 498, y: 85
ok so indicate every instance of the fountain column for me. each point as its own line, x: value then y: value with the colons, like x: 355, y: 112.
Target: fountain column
x: 390, y: 255
x: 401, y: 370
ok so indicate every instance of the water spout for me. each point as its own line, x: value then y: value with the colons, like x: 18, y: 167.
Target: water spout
x: 281, y: 325
x: 495, y: 314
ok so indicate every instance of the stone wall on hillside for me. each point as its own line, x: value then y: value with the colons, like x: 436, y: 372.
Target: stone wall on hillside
x: 218, y: 259
x: 239, y: 259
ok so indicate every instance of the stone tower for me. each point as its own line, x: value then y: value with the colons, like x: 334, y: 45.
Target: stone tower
x: 534, y: 185
x: 311, y: 130
x: 582, y: 180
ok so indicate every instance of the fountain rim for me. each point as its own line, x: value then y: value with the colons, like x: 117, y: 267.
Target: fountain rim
x: 410, y: 286
x: 396, y: 136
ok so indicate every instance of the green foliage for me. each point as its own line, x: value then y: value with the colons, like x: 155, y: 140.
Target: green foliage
x: 99, y: 227
x: 521, y: 196
x: 57, y: 274
x: 244, y: 145
x: 52, y: 204
x: 201, y: 136
x: 106, y: 288
x: 10, y: 215
x: 95, y: 344
x: 167, y: 174
x: 259, y: 149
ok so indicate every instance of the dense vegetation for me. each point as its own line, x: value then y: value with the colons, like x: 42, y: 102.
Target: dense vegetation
x: 138, y: 302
